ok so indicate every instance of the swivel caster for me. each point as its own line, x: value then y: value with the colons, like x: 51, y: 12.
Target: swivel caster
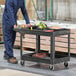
x: 66, y: 64
x: 51, y: 67
x: 22, y: 62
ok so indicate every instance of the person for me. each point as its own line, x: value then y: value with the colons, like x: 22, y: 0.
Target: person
x: 9, y: 21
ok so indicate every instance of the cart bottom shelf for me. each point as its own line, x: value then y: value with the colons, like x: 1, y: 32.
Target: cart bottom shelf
x: 58, y: 58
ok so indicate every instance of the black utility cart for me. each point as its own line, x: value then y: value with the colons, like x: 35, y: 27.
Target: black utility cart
x: 52, y: 58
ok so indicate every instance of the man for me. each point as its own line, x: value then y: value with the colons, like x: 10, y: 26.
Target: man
x: 9, y: 22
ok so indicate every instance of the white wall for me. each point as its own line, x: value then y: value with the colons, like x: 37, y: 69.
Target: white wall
x: 64, y: 9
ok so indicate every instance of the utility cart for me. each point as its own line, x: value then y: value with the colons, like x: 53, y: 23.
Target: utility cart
x: 52, y: 57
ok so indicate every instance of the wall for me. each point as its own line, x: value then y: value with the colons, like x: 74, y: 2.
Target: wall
x: 64, y: 9
x: 30, y: 10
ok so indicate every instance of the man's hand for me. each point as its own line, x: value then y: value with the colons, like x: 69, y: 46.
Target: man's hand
x: 28, y: 25
x: 15, y: 26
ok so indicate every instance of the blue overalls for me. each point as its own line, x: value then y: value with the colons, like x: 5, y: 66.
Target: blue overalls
x: 8, y: 22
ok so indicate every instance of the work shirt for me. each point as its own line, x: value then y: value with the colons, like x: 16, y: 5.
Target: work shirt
x: 10, y: 12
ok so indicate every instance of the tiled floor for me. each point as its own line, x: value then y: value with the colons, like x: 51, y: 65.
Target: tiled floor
x: 43, y: 69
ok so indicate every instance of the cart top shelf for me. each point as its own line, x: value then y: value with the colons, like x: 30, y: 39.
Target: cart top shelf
x: 45, y: 32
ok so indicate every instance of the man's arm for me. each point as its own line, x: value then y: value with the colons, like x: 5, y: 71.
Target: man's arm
x: 24, y: 12
x: 9, y: 7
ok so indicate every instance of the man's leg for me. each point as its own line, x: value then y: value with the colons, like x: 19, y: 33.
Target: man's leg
x: 9, y: 38
x: 8, y: 41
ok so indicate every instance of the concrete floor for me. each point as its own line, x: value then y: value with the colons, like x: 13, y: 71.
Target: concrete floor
x: 43, y: 69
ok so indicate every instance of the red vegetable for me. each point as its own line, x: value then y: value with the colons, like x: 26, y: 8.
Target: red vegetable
x: 39, y: 55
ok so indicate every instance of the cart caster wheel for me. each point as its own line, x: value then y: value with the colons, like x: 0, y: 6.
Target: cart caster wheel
x: 22, y: 63
x: 51, y: 67
x: 66, y: 64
